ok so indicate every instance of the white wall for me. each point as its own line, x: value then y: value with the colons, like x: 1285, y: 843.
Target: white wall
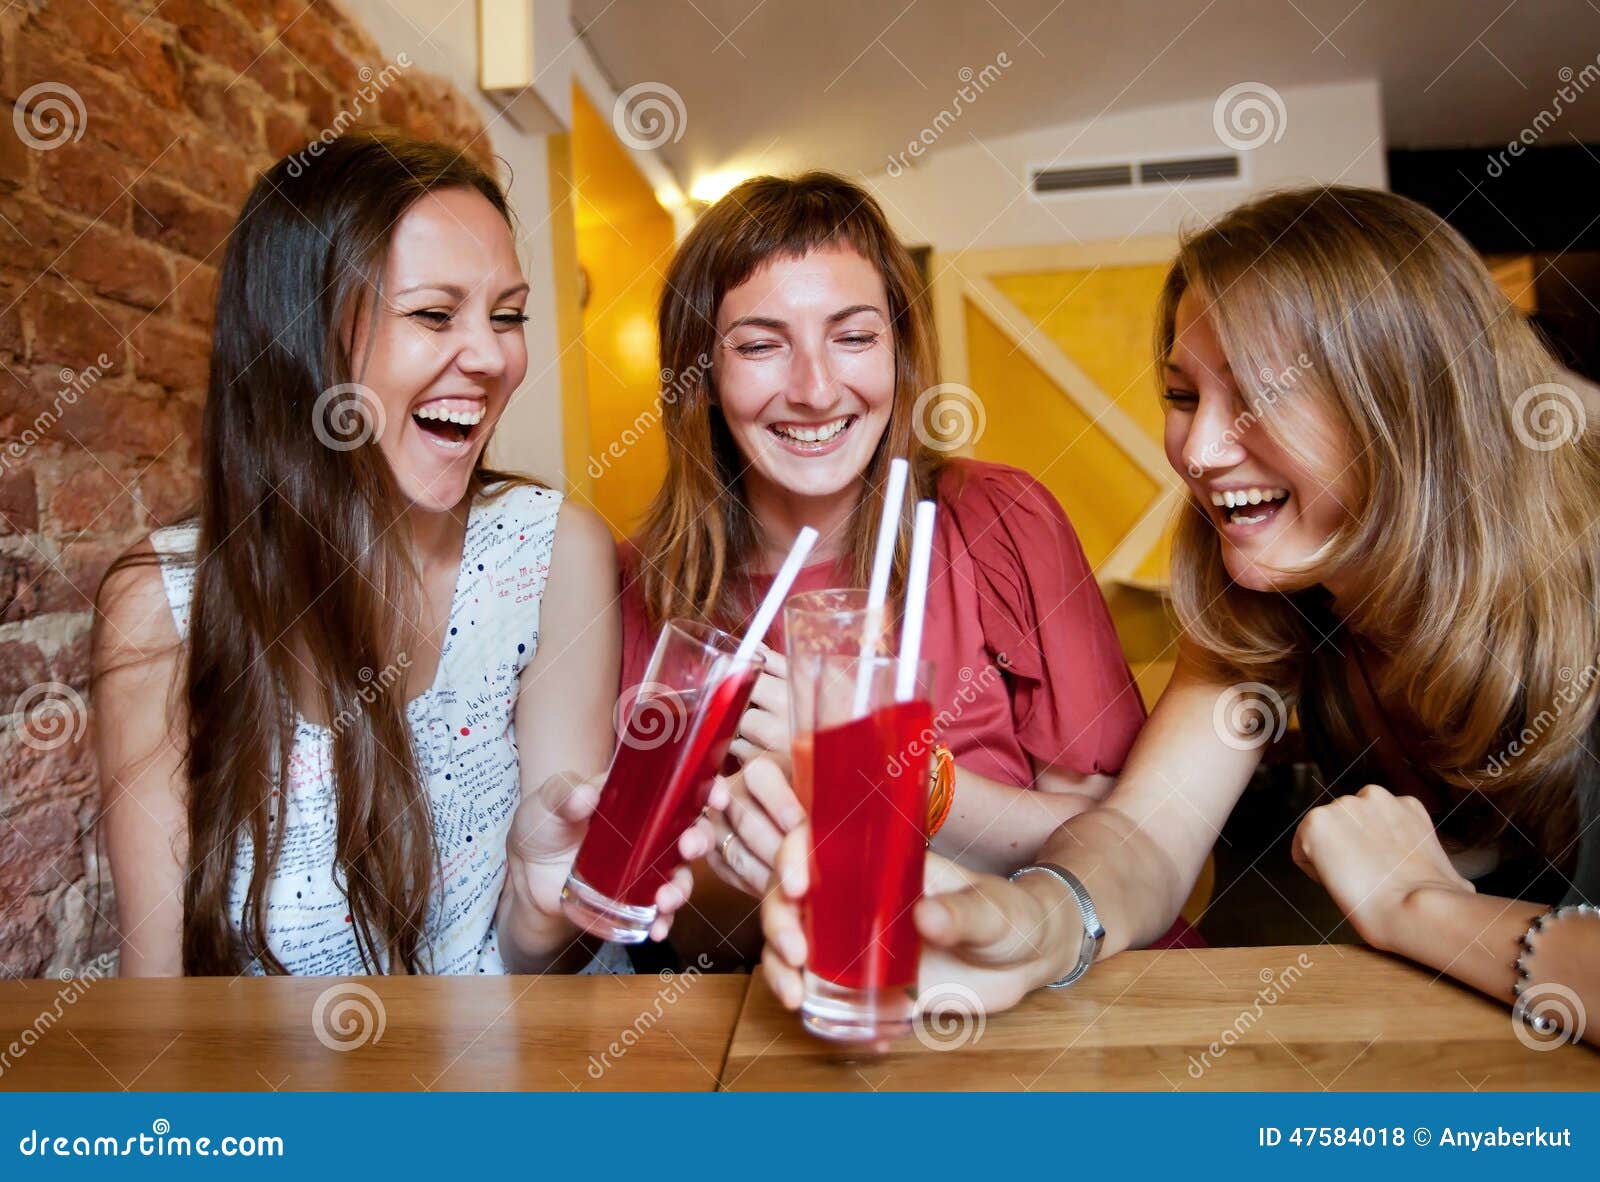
x: 966, y: 194
x: 529, y: 436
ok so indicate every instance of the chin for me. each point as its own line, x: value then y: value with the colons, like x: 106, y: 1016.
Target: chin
x: 1258, y: 572
x: 439, y: 492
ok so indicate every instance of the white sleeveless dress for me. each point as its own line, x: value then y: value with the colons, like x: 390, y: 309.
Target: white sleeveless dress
x: 461, y: 729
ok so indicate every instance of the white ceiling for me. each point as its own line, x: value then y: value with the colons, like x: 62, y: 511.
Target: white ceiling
x: 786, y: 84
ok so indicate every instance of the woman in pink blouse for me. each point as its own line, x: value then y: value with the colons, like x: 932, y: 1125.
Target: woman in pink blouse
x: 796, y: 345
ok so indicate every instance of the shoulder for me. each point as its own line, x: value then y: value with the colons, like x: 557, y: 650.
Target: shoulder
x: 133, y: 615
x: 979, y: 489
x: 583, y: 537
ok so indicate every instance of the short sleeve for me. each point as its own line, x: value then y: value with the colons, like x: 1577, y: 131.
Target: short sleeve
x: 638, y: 637
x: 1074, y: 702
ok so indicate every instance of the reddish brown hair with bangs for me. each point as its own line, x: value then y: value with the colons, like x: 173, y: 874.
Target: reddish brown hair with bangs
x: 699, y: 529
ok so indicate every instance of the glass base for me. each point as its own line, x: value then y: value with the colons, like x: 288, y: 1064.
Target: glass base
x: 605, y: 917
x: 845, y: 1014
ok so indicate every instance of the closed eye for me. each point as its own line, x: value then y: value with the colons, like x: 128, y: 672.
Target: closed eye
x: 1180, y: 397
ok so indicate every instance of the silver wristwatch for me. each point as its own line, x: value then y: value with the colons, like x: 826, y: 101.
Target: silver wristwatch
x: 1093, y: 930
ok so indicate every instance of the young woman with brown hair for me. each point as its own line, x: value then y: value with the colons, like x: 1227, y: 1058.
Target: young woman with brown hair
x: 1392, y: 528
x: 798, y: 340
x: 334, y: 710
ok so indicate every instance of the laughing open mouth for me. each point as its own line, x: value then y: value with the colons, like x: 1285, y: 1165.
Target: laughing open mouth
x: 1250, y: 506
x: 449, y: 423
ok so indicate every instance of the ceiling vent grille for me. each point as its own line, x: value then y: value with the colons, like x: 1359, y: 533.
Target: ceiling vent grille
x: 1135, y: 174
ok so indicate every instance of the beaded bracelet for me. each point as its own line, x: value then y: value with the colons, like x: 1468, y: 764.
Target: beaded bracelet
x: 1541, y: 1023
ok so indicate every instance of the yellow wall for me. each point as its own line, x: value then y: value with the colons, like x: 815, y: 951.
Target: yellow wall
x: 1102, y: 318
x: 624, y: 242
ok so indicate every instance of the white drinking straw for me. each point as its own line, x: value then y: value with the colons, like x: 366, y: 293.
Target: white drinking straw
x: 905, y: 681
x: 878, y: 589
x: 776, y: 594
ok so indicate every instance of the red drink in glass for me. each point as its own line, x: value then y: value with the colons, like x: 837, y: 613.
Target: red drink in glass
x: 672, y: 746
x: 867, y: 849
x: 831, y: 622
x: 868, y: 811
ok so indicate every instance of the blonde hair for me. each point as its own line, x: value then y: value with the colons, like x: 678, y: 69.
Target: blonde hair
x: 1469, y: 556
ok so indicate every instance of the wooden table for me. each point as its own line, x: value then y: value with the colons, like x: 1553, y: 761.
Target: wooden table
x: 437, y: 1033
x: 1344, y: 1018
x: 1330, y: 1016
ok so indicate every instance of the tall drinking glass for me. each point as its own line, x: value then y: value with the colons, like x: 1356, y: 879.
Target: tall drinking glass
x: 868, y: 808
x: 818, y: 623
x: 673, y: 742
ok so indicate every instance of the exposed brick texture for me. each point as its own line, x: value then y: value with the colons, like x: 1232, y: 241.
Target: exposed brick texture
x: 119, y: 180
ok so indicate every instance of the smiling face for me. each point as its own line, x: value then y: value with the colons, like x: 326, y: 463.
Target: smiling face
x: 805, y: 372
x: 1273, y: 510
x: 446, y: 349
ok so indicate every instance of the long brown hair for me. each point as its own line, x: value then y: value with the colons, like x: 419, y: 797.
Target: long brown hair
x: 699, y: 530
x: 305, y: 581
x: 1469, y: 558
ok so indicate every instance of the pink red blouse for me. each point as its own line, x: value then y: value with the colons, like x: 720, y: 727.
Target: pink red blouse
x: 1028, y: 669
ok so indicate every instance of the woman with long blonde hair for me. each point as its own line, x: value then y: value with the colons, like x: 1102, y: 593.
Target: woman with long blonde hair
x: 1392, y: 528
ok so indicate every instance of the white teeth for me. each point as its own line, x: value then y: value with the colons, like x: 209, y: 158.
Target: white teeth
x: 813, y: 434
x: 1234, y: 498
x: 464, y: 418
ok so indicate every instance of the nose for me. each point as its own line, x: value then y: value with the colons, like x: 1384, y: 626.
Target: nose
x: 1216, y: 434
x: 811, y: 381
x: 482, y: 353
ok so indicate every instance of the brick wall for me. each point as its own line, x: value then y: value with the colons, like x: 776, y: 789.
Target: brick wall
x: 132, y: 131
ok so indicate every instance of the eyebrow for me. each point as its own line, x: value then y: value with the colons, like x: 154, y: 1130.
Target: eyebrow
x: 460, y: 293
x: 771, y: 322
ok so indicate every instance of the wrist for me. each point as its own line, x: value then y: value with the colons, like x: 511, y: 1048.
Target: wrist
x: 524, y: 923
x: 1059, y: 934
x: 1413, y: 914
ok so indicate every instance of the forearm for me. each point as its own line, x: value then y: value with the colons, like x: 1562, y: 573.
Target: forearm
x: 1136, y: 886
x: 1474, y: 938
x: 997, y: 827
